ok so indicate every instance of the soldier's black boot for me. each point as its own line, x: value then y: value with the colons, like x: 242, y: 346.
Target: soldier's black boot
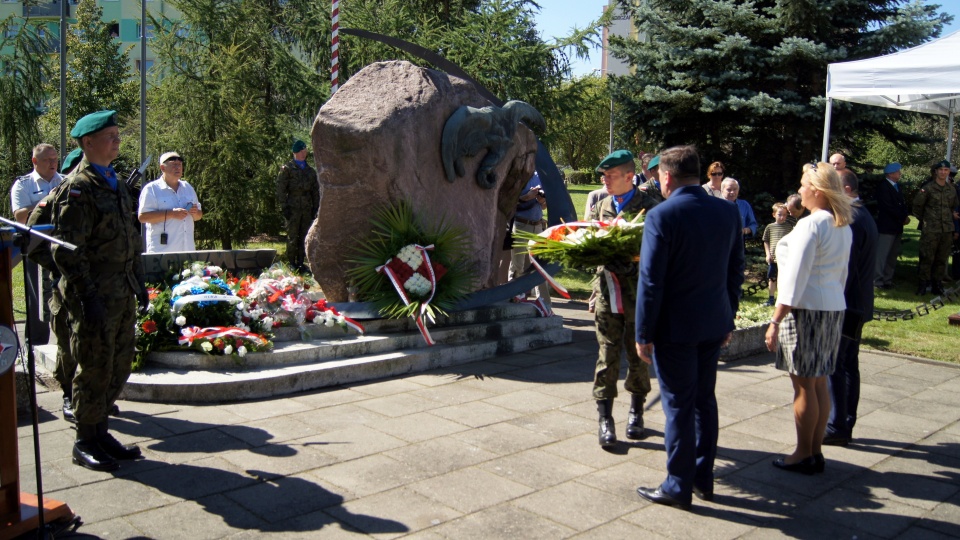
x: 607, y: 433
x: 112, y: 446
x: 922, y: 288
x: 635, y: 418
x: 68, y: 408
x: 87, y: 452
x: 936, y: 287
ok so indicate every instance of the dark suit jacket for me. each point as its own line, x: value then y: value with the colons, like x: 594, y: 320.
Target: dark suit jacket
x: 858, y: 291
x: 691, y: 269
x: 892, y: 210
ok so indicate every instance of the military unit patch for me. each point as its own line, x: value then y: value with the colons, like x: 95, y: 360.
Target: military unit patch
x: 74, y: 192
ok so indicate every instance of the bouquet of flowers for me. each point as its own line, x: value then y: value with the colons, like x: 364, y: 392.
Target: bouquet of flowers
x: 411, y: 270
x: 583, y: 244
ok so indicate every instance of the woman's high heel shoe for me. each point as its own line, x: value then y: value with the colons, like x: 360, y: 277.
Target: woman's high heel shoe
x: 820, y: 463
x: 805, y: 466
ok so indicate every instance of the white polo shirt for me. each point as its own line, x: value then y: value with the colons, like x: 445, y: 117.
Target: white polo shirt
x: 157, y: 195
x: 30, y: 189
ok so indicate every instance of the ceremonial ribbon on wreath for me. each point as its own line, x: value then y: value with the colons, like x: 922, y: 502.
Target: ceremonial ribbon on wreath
x: 432, y: 278
x: 546, y: 233
x: 616, y: 293
x: 184, y: 300
x: 321, y: 305
x: 191, y: 333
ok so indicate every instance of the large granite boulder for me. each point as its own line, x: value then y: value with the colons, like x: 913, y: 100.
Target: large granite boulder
x: 377, y: 141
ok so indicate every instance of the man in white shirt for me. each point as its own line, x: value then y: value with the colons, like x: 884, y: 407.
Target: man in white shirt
x: 29, y: 189
x: 169, y: 207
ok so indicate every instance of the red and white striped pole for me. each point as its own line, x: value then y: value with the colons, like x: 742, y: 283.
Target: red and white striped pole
x: 335, y: 48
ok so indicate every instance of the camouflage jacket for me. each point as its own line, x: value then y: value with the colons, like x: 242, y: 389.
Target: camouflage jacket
x: 934, y: 205
x: 95, y: 218
x: 42, y: 214
x: 298, y: 189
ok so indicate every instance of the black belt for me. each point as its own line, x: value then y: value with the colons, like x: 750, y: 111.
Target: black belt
x: 527, y: 221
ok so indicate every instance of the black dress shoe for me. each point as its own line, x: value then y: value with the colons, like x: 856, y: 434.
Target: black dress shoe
x: 835, y: 440
x: 702, y: 494
x: 820, y: 463
x: 658, y: 496
x: 805, y: 466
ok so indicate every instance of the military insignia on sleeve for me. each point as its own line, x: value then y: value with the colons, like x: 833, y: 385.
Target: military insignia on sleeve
x: 42, y: 204
x: 75, y: 193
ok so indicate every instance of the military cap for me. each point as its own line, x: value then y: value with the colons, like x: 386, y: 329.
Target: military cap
x: 168, y: 155
x: 93, y: 123
x: 891, y: 168
x: 654, y: 163
x: 941, y: 164
x: 298, y: 145
x: 71, y: 160
x: 615, y: 158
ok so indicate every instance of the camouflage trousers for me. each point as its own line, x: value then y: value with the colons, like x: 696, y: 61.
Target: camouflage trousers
x: 60, y: 325
x: 615, y: 332
x: 104, y: 355
x: 935, y: 249
x: 297, y: 226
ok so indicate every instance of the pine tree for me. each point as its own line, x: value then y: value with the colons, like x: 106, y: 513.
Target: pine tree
x: 744, y: 80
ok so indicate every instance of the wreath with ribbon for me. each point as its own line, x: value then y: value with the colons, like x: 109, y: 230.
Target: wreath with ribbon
x: 411, y: 268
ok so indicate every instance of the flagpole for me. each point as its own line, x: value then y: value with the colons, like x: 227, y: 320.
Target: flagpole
x: 335, y: 47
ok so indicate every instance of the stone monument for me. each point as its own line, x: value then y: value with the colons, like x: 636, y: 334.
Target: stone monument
x: 378, y: 140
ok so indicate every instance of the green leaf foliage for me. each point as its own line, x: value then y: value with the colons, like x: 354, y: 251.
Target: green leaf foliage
x: 744, y: 79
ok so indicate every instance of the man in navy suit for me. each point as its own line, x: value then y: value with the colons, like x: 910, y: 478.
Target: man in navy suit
x: 691, y: 270
x: 892, y: 214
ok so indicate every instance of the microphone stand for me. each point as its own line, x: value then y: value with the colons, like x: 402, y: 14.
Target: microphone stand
x: 23, y: 241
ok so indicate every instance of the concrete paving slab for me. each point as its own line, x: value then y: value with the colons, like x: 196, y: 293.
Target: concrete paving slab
x: 578, y: 506
x: 418, y: 427
x: 393, y: 513
x: 536, y: 468
x: 503, y: 521
x: 369, y: 475
x: 470, y: 490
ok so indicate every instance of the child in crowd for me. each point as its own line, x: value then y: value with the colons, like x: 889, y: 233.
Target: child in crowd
x: 771, y: 235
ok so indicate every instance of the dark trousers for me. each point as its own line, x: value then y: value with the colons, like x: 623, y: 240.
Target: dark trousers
x: 844, y: 384
x: 688, y: 378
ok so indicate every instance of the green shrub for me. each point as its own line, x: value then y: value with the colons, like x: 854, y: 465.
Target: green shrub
x: 579, y: 177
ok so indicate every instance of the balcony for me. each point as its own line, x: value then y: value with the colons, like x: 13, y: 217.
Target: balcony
x: 45, y: 9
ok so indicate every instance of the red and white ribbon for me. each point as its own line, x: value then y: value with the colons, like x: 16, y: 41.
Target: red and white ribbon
x: 616, y: 293
x: 395, y: 280
x: 190, y: 333
x: 542, y: 308
x: 553, y: 283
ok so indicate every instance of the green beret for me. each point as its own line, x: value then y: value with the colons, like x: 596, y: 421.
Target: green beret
x: 654, y: 163
x: 943, y: 163
x: 93, y: 123
x: 71, y: 160
x: 298, y: 145
x: 618, y: 157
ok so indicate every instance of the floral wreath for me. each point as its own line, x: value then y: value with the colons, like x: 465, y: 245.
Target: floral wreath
x: 409, y: 270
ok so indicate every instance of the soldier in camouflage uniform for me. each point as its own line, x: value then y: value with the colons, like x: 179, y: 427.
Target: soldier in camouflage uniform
x: 935, y: 205
x: 652, y: 186
x: 40, y: 254
x: 102, y: 282
x: 615, y: 331
x: 299, y: 196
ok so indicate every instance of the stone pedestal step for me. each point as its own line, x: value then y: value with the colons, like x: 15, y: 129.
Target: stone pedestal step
x: 351, y: 345
x: 166, y: 385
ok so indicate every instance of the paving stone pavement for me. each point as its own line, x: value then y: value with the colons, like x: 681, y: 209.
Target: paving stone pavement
x: 506, y: 448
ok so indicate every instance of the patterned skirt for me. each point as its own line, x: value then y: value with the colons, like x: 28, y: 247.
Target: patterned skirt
x: 808, y: 341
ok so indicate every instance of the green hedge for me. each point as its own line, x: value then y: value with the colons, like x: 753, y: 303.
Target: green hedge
x: 579, y: 177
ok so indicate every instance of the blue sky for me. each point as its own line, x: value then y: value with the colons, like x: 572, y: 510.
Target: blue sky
x: 557, y: 17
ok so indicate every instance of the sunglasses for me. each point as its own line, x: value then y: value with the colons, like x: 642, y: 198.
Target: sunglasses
x: 716, y: 173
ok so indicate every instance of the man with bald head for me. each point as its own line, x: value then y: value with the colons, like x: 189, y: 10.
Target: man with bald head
x: 839, y: 162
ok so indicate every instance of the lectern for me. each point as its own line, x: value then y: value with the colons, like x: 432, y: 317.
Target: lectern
x: 19, y: 512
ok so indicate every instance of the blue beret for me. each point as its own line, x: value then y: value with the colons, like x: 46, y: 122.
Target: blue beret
x: 615, y: 158
x: 298, y: 145
x: 71, y: 160
x: 93, y: 123
x: 654, y: 163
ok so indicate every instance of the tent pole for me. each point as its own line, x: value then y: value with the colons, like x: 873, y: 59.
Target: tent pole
x: 826, y: 130
x: 953, y: 108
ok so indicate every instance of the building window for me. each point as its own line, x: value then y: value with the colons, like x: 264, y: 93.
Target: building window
x: 114, y: 29
x: 182, y: 32
x: 149, y: 31
x: 149, y: 65
x: 11, y: 31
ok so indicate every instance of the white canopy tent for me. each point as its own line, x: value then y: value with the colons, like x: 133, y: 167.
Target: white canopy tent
x: 924, y: 79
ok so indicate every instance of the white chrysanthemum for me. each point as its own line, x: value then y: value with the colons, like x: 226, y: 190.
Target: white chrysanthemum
x: 206, y: 346
x: 181, y: 320
x: 417, y: 284
x: 328, y: 322
x: 411, y: 256
x: 185, y: 273
x: 241, y: 351
x: 215, y: 270
x: 228, y: 349
x: 267, y: 321
x: 150, y: 308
